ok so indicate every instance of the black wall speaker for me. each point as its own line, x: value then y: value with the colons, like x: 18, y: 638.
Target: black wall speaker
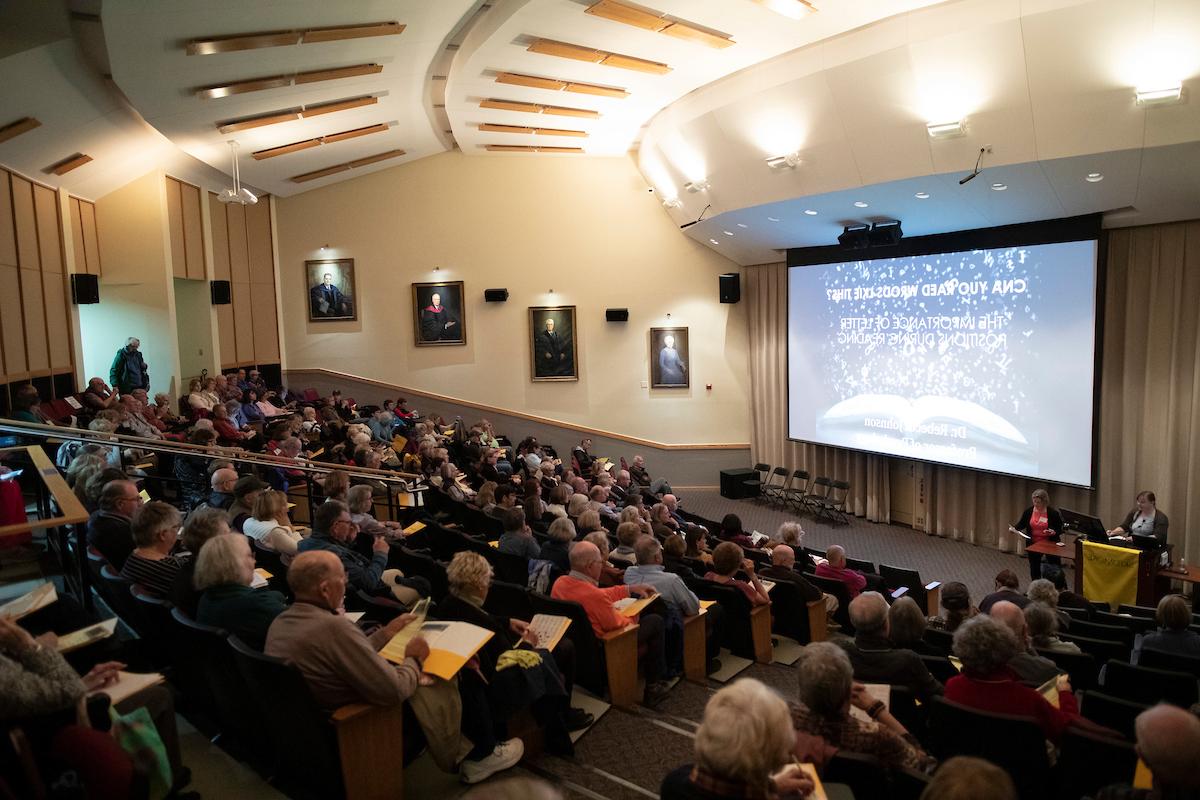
x: 495, y: 295
x: 731, y: 287
x: 884, y: 234
x: 616, y: 314
x: 220, y: 293
x: 855, y: 237
x: 85, y: 289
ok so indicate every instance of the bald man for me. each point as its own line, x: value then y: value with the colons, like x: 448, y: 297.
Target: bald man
x: 1168, y: 740
x: 872, y: 655
x: 834, y: 566
x: 783, y: 568
x: 1028, y: 665
x: 222, y: 482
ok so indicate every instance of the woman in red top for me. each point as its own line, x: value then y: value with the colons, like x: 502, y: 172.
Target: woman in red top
x: 1041, y: 523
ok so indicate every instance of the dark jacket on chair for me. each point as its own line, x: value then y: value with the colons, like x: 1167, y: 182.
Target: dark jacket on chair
x: 876, y: 661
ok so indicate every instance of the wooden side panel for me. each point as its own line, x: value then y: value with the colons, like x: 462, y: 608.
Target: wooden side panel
x: 57, y: 320
x: 192, y: 232
x: 27, y: 249
x: 227, y: 336
x: 242, y: 323
x: 266, y: 331
x: 91, y: 236
x: 258, y: 242
x: 80, y: 256
x: 11, y: 329
x: 220, y: 238
x: 45, y: 203
x: 175, y: 225
x: 239, y: 264
x: 35, y: 319
x: 8, y: 235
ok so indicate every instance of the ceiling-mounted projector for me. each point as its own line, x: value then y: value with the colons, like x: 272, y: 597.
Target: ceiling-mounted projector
x: 238, y: 194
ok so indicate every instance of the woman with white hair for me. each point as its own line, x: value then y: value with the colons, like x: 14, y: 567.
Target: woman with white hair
x: 577, y: 505
x: 791, y: 534
x: 743, y: 749
x: 224, y: 571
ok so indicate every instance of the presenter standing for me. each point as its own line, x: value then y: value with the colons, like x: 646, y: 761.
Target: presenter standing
x: 1040, y: 523
x: 1145, y: 520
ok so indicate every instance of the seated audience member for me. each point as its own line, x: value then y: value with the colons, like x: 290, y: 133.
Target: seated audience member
x: 834, y: 566
x: 155, y: 529
x: 342, y: 665
x: 1027, y: 664
x: 639, y: 475
x: 109, y: 528
x: 252, y: 412
x: 875, y: 660
x: 1066, y: 597
x: 517, y: 537
x: 336, y: 486
x: 956, y: 603
x: 581, y: 586
x: 661, y: 515
x: 162, y: 409
x: 1007, y: 588
x: 228, y: 432
x: 1042, y: 623
x: 648, y: 571
x: 135, y: 421
x: 731, y: 531
x: 535, y: 509
x: 506, y: 500
x: 559, y: 496
x: 99, y: 396
x: 94, y: 486
x: 203, y: 396
x: 628, y: 534
x: 610, y: 575
x: 222, y: 483
x: 1174, y: 617
x: 192, y: 471
x: 380, y: 425
x: 783, y: 568
x: 727, y: 560
x: 270, y: 525
x: 598, y: 502
x: 743, y: 749
x: 557, y: 550
x: 499, y: 693
x: 333, y: 531
x: 620, y: 488
x: 201, y: 526
x: 906, y: 626
x: 791, y: 534
x: 985, y: 646
x: 25, y: 404
x: 969, y: 778
x: 632, y: 514
x: 696, y: 544
x: 1043, y: 591
x: 1168, y: 741
x: 589, y: 522
x: 361, y: 503
x: 224, y: 571
x: 485, y: 498
x: 282, y: 477
x: 245, y: 493
x: 674, y: 549
x: 828, y: 690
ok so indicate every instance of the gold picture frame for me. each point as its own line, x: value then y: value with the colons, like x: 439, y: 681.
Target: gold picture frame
x: 553, y: 348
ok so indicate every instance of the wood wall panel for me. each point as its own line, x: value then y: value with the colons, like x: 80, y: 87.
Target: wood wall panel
x: 242, y: 323
x: 12, y: 329
x: 8, y: 236
x: 239, y: 265
x: 220, y: 238
x: 80, y: 254
x: 175, y: 228
x: 27, y: 248
x: 45, y: 204
x: 33, y: 304
x: 193, y: 234
x: 91, y: 237
x: 264, y: 322
x: 227, y: 336
x: 58, y: 321
x: 258, y: 242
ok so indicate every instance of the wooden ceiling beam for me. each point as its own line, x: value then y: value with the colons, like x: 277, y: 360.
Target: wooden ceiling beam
x: 293, y: 114
x: 15, y: 129
x: 348, y: 165
x: 257, y: 41
x: 576, y: 52
x: 281, y: 81
x: 71, y: 162
x: 656, y: 22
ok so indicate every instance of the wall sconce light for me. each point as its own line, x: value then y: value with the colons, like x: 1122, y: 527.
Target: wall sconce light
x: 946, y: 130
x: 790, y: 161
x: 1160, y: 96
x: 701, y: 185
x: 672, y: 202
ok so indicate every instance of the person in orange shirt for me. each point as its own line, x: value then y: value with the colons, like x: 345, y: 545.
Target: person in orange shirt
x: 581, y: 585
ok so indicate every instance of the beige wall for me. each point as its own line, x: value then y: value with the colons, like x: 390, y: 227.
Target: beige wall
x: 585, y: 227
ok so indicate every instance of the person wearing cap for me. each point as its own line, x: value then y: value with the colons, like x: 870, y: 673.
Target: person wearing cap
x: 245, y: 492
x: 956, y: 607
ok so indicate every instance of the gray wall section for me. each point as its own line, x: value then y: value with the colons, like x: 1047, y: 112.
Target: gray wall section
x: 694, y: 468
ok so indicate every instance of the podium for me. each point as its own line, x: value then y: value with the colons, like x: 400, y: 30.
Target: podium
x: 1147, y: 572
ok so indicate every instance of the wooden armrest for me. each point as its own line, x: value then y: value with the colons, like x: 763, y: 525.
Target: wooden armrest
x: 618, y: 633
x: 818, y: 620
x: 760, y: 634
x: 371, y: 749
x: 621, y: 665
x: 933, y: 598
x: 695, y: 650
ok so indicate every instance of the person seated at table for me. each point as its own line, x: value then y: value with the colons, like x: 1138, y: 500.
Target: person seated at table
x: 1144, y: 519
x: 1041, y: 523
x: 224, y: 572
x: 1174, y: 617
x: 727, y: 560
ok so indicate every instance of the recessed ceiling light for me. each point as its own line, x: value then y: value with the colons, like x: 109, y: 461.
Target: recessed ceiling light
x: 999, y: 187
x: 1094, y: 177
x: 773, y: 219
x: 922, y: 195
x: 714, y: 241
x: 860, y: 204
x: 727, y: 233
x: 810, y: 212
x: 743, y: 225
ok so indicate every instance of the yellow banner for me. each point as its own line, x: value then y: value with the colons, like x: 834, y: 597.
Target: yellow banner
x: 1110, y: 573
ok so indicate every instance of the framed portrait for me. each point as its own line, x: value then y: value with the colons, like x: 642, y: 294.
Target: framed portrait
x: 332, y: 296
x: 439, y: 314
x: 552, y: 346
x: 669, y: 359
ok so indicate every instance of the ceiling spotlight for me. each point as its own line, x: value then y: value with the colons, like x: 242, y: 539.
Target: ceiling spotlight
x: 999, y: 187
x: 672, y: 202
x: 727, y: 233
x: 1094, y: 177
x: 796, y: 9
x: 1161, y: 95
x: 922, y: 195
x: 773, y: 219
x: 860, y: 204
x: 946, y: 130
x: 714, y: 241
x: 790, y: 161
x: 811, y: 212
x: 701, y: 185
x: 742, y: 225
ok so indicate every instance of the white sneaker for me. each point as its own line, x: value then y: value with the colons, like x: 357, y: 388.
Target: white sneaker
x: 506, y: 755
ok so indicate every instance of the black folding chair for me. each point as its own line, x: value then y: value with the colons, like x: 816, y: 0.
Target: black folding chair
x: 753, y: 486
x: 798, y: 487
x: 1175, y: 662
x: 775, y: 489
x: 1080, y: 667
x: 816, y: 498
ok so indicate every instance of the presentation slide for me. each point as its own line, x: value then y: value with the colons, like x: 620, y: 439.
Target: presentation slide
x: 982, y: 358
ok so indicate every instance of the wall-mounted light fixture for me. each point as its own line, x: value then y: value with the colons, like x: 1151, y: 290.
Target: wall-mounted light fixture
x: 790, y: 161
x: 946, y: 130
x: 1160, y: 95
x: 701, y: 185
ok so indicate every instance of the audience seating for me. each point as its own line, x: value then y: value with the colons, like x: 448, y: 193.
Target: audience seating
x: 1111, y: 712
x: 1149, y: 685
x: 747, y: 631
x: 817, y: 496
x: 927, y: 595
x: 833, y: 507
x: 792, y: 616
x: 865, y: 775
x: 509, y: 600
x: 604, y: 665
x: 940, y: 639
x: 837, y: 589
x: 415, y: 564
x: 1136, y: 611
x: 1015, y: 744
x: 1087, y: 762
x: 940, y: 667
x: 1080, y: 667
x: 1159, y: 659
x: 1135, y: 624
x: 1096, y: 630
x: 1084, y: 614
x: 1101, y: 649
x: 865, y: 567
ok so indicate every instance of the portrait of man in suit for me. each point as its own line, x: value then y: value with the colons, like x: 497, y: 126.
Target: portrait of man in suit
x: 331, y: 290
x: 553, y: 343
x: 438, y: 314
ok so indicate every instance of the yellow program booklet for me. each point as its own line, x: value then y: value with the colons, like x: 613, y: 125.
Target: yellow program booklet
x: 451, y: 645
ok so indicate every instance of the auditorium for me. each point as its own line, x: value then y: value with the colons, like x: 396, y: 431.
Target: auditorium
x: 353, y: 445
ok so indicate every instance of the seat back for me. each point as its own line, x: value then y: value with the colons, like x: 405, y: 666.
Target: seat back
x: 837, y: 589
x: 153, y: 616
x: 940, y: 640
x: 895, y: 577
x: 1149, y: 685
x: 1136, y: 624
x: 303, y: 740
x: 863, y: 566
x: 940, y: 667
x: 509, y: 600
x: 1096, y: 630
x: 117, y: 591
x: 1137, y: 611
x: 1081, y: 667
x: 418, y: 564
x: 1111, y: 712
x: 789, y: 612
x: 272, y: 562
x: 511, y: 568
x: 1160, y: 659
x: 820, y: 488
x: 1015, y: 744
x: 589, y: 658
x: 1087, y: 762
x: 801, y: 483
x: 865, y: 775
x: 1101, y: 649
x: 736, y: 632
